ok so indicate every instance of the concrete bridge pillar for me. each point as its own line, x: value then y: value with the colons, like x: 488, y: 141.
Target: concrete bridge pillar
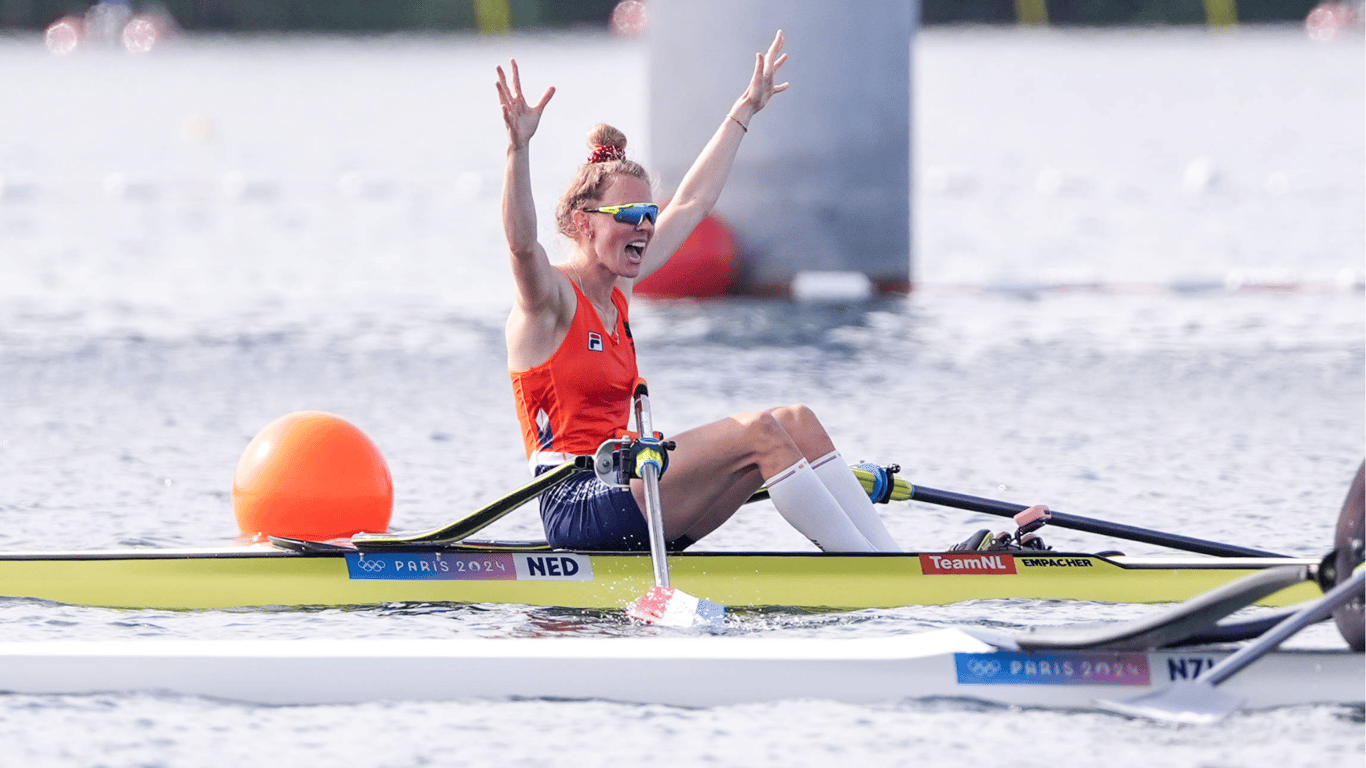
x: 823, y: 180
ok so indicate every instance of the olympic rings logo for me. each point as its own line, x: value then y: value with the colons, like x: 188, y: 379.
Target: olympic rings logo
x: 370, y: 566
x: 980, y: 668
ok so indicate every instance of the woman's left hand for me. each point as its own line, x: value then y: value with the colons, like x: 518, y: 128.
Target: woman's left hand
x: 761, y: 87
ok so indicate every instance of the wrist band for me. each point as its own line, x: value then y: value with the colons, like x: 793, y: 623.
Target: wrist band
x: 737, y: 122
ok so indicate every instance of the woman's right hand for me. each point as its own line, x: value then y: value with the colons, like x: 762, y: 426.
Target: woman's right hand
x: 521, y: 118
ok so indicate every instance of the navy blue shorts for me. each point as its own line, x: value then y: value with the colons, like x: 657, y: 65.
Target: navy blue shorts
x: 587, y: 514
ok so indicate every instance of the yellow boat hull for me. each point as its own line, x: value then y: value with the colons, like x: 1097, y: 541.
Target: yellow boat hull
x: 261, y: 576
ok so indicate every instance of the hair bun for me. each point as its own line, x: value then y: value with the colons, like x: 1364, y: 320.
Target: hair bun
x: 607, y: 144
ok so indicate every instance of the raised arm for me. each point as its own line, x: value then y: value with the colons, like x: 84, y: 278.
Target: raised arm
x: 530, y: 265
x: 544, y: 300
x: 701, y: 186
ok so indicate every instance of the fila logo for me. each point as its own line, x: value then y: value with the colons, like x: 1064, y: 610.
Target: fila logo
x: 594, y: 342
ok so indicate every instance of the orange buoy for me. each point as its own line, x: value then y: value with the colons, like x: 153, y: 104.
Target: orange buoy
x: 706, y: 265
x: 312, y: 475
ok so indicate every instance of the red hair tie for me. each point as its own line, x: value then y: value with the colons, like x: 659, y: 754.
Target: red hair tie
x: 603, y: 153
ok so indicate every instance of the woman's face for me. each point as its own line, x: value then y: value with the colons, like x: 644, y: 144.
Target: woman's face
x: 619, y: 246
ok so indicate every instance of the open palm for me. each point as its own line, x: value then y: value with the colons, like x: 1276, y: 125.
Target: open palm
x: 766, y: 65
x: 521, y: 118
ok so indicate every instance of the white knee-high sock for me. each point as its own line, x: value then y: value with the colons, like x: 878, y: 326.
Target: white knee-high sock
x: 848, y: 491
x: 806, y: 504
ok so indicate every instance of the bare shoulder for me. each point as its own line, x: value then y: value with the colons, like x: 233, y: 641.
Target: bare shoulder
x: 535, y: 330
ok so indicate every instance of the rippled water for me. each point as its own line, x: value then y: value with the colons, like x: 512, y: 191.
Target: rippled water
x: 264, y: 226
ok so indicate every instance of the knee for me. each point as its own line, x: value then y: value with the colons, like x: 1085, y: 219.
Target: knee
x: 765, y: 432
x: 797, y: 420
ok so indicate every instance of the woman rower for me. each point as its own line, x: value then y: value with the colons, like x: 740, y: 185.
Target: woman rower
x: 573, y: 363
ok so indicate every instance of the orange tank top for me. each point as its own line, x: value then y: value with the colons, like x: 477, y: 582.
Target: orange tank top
x: 581, y: 396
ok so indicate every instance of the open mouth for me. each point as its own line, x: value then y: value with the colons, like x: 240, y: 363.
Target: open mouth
x: 636, y: 249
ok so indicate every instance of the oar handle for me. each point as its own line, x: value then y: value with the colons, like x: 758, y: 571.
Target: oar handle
x: 649, y: 475
x: 1089, y: 525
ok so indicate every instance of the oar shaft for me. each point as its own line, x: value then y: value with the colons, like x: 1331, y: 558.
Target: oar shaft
x: 1317, y: 611
x: 1086, y: 524
x: 475, y: 521
x: 655, y: 522
x: 654, y: 509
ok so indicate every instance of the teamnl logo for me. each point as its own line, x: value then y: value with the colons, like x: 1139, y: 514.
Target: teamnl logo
x: 968, y: 562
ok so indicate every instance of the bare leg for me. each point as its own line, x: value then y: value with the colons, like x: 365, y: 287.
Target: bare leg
x: 718, y: 466
x: 806, y: 435
x: 806, y: 431
x: 726, y: 505
x: 715, y: 468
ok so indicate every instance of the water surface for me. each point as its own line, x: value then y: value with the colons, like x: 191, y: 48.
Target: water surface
x: 199, y: 241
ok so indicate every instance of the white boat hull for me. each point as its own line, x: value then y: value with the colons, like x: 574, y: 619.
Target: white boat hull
x: 684, y: 671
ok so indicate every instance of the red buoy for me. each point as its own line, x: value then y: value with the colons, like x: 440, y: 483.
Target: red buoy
x: 312, y: 475
x: 707, y: 265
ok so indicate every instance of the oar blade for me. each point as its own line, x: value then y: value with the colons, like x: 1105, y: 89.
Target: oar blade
x: 1193, y: 703
x: 670, y: 607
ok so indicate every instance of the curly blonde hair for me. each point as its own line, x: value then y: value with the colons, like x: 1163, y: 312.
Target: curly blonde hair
x: 608, y: 159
